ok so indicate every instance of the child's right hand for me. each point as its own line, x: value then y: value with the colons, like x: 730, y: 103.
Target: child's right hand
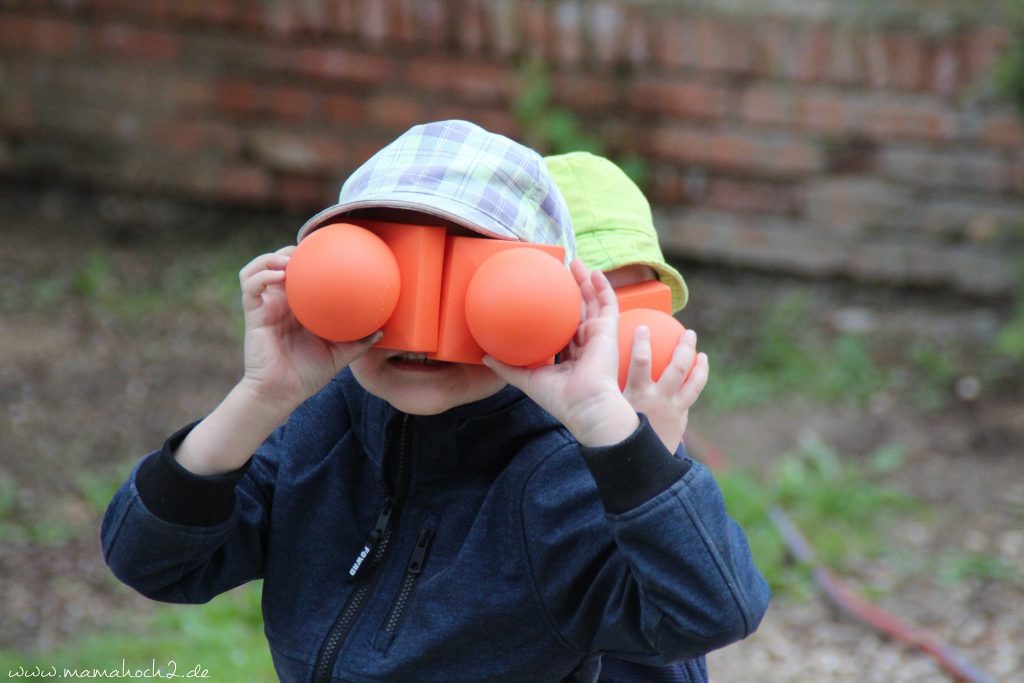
x: 666, y: 403
x: 285, y: 363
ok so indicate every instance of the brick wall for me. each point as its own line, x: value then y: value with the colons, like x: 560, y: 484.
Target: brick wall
x: 797, y: 143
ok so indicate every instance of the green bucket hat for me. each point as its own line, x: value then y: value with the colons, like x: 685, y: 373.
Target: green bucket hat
x: 611, y: 218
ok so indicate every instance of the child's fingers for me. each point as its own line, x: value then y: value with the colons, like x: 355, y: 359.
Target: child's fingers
x: 516, y: 376
x: 639, y: 374
x: 275, y: 261
x: 254, y: 285
x: 607, y: 302
x: 587, y: 291
x: 683, y: 356
x: 695, y: 383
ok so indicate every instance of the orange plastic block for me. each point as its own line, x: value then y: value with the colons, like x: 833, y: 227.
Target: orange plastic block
x: 463, y: 255
x: 650, y: 294
x: 419, y: 251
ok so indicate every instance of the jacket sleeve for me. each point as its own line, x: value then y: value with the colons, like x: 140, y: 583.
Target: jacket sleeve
x: 646, y: 564
x: 178, y: 537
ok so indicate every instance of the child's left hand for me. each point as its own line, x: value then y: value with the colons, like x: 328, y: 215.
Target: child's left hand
x: 666, y: 402
x: 582, y: 391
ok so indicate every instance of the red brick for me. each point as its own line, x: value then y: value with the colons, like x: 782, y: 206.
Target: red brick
x: 52, y: 37
x: 342, y: 64
x: 133, y: 42
x: 238, y: 97
x: 288, y: 103
x: 471, y: 34
x: 603, y: 25
x: 764, y: 104
x: 735, y: 150
x: 1003, y: 130
x: 720, y: 44
x: 539, y: 33
x: 341, y: 16
x: 791, y: 50
x: 300, y: 192
x: 566, y: 23
x: 433, y: 21
x: 827, y: 111
x: 347, y: 109
x: 373, y: 22
x: 404, y: 21
x: 896, y: 60
x: 845, y: 64
x: 911, y: 121
x: 187, y: 137
x: 635, y: 39
x: 750, y: 196
x: 586, y: 92
x: 982, y: 47
x: 945, y: 71
x: 962, y: 169
x: 393, y: 110
x: 665, y: 185
x: 677, y: 97
x: 503, y: 22
x: 666, y: 47
x: 247, y: 184
x: 477, y: 81
x: 1017, y: 174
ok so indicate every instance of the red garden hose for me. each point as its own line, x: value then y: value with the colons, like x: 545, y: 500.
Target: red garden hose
x: 839, y: 594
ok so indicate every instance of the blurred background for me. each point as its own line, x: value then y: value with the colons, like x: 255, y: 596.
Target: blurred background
x: 840, y: 181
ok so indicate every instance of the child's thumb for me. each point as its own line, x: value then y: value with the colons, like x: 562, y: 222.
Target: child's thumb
x: 516, y: 376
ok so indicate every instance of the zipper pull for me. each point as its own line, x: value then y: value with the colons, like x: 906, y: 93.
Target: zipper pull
x: 378, y: 530
x: 419, y: 553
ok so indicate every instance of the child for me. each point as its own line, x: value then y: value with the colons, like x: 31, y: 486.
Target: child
x: 615, y: 234
x: 414, y: 520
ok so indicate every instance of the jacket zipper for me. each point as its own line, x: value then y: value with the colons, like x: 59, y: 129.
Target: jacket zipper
x: 412, y: 572
x: 367, y: 564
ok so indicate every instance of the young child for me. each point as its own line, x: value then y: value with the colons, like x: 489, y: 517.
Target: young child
x: 615, y: 234
x: 414, y: 520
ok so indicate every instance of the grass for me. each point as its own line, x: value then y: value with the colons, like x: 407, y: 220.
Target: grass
x: 840, y: 503
x: 205, y: 282
x: 785, y: 355
x: 223, y: 638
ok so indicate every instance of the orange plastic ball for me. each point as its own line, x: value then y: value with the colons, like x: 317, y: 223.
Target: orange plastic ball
x: 522, y: 306
x: 342, y: 282
x: 665, y: 333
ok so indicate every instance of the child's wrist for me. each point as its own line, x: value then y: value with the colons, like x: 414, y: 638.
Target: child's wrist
x: 604, y: 421
x: 264, y: 405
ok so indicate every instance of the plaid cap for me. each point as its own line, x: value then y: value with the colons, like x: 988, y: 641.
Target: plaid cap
x: 460, y: 172
x: 612, y: 218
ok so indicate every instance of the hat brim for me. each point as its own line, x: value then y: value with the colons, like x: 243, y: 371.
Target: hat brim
x: 674, y: 279
x: 468, y: 216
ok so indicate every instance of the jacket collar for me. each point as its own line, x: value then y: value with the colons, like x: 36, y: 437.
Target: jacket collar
x: 478, y: 436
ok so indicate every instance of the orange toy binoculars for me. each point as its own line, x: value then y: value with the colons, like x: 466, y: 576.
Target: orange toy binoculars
x: 456, y: 298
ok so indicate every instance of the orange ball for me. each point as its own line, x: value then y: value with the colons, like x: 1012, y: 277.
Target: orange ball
x: 342, y: 282
x: 522, y: 306
x: 665, y: 333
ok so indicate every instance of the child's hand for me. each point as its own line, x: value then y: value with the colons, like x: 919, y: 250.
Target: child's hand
x: 284, y: 362
x: 582, y: 391
x: 666, y: 403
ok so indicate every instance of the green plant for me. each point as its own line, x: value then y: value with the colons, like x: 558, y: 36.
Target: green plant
x: 557, y: 130
x: 1009, y: 69
x: 840, y: 503
x: 784, y: 354
x: 97, y: 487
x: 958, y: 566
x: 224, y: 638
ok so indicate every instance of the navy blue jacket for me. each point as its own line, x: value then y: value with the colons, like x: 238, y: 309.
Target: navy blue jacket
x: 482, y: 544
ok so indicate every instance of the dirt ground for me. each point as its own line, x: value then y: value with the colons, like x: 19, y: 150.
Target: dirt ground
x: 86, y: 387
